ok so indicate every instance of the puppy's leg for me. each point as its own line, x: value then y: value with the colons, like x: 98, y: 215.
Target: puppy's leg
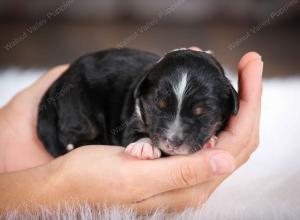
x: 77, y: 120
x: 76, y: 127
x: 143, y: 149
x: 211, y: 142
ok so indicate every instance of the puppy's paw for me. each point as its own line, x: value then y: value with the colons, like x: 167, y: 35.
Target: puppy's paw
x: 211, y: 142
x: 143, y: 149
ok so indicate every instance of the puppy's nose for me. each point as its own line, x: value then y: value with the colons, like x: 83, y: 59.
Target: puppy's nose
x: 175, y: 141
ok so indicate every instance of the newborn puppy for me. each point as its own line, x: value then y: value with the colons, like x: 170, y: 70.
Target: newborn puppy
x: 151, y: 105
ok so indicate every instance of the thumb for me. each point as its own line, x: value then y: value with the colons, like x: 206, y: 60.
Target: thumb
x: 42, y: 84
x: 177, y: 172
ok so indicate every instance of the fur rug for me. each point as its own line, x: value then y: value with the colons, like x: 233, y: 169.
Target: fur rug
x: 267, y: 187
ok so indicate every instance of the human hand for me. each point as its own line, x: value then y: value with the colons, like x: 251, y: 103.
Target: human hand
x: 99, y: 174
x: 20, y: 147
x: 105, y: 175
x: 240, y: 138
x: 176, y: 182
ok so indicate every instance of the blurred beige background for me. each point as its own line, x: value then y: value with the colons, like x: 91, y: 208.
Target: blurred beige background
x: 39, y: 33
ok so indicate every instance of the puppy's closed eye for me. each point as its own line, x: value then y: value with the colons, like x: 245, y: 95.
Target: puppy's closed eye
x: 161, y: 104
x: 197, y: 110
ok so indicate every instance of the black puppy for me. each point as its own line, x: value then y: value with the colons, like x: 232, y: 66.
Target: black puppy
x: 173, y: 104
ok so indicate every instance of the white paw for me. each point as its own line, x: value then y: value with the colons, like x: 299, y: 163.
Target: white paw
x: 211, y: 142
x: 143, y: 149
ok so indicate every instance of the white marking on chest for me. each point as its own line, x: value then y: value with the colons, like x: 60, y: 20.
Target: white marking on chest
x: 179, y: 89
x: 138, y: 109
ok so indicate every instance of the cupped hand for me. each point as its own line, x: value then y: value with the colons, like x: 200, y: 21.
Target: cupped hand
x: 176, y: 182
x: 240, y: 138
x: 106, y: 175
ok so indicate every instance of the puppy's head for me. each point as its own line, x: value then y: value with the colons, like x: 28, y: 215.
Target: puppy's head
x: 183, y: 100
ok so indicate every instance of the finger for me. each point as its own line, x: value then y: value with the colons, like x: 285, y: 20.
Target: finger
x: 239, y: 127
x: 248, y: 57
x: 242, y: 156
x: 195, y: 48
x: 177, y: 172
x: 43, y: 83
x: 245, y: 154
x: 28, y: 99
x: 192, y: 197
x: 195, y: 195
x: 250, y: 81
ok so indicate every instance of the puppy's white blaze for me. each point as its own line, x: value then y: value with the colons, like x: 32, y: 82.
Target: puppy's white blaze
x: 175, y: 129
x: 179, y: 89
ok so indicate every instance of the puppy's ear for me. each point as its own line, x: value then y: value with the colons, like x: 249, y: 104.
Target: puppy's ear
x: 138, y: 89
x: 235, y: 103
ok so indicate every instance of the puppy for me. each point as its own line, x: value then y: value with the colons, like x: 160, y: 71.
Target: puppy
x: 152, y: 105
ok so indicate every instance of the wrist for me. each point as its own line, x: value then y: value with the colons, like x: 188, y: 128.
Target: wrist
x: 32, y: 188
x: 20, y: 147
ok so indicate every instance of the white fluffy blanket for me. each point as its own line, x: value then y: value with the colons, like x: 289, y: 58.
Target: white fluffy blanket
x: 267, y: 187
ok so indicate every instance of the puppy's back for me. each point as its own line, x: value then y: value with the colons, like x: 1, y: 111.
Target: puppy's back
x: 87, y: 101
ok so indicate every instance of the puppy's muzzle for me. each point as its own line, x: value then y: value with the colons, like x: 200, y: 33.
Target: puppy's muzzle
x: 174, y: 142
x: 175, y: 146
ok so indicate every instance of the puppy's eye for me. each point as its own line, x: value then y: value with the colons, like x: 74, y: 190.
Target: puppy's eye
x: 197, y: 110
x: 161, y: 103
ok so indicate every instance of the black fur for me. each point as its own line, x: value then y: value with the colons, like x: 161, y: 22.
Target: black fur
x: 93, y: 102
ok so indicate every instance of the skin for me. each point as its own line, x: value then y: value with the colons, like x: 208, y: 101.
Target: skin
x: 106, y: 174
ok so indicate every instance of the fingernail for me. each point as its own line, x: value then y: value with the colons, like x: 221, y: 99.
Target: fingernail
x: 222, y: 163
x: 195, y: 48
